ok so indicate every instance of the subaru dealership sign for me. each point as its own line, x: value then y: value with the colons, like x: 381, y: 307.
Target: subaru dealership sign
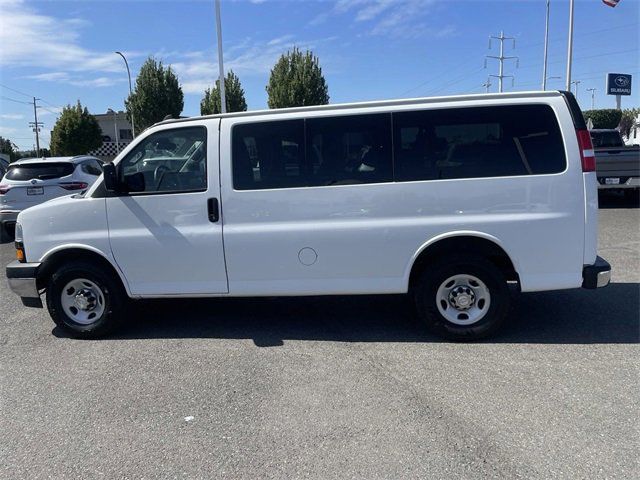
x: 618, y: 84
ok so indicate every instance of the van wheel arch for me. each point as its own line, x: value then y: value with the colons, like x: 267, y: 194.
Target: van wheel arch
x: 464, y: 244
x: 55, y: 260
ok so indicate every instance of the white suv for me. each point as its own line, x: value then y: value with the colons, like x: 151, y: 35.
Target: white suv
x: 32, y: 181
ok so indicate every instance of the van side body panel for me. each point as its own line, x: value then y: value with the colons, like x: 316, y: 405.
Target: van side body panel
x: 53, y: 227
x: 353, y: 239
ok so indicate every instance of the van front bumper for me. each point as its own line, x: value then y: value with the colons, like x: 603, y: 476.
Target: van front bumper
x: 597, y: 275
x: 22, y: 278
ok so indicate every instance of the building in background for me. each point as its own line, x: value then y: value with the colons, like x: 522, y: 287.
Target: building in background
x: 116, y: 134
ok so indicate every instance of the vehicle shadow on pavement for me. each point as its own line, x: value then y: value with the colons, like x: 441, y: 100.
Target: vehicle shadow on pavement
x: 608, y: 315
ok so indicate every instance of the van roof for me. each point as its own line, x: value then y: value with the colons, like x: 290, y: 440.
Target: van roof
x: 371, y: 104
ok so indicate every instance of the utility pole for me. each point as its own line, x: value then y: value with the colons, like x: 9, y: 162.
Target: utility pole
x: 501, y: 59
x: 546, y: 47
x: 36, y: 125
x: 115, y: 128
x: 576, y: 83
x: 223, y: 99
x: 486, y: 85
x: 570, y: 45
x: 593, y: 97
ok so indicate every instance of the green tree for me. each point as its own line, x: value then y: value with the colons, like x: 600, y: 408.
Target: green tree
x: 7, y: 147
x: 605, y: 118
x: 296, y: 80
x: 629, y: 116
x: 44, y: 152
x: 210, y: 103
x: 76, y: 132
x: 157, y: 94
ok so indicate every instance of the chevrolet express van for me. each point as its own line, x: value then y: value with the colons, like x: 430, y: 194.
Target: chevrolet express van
x: 447, y: 199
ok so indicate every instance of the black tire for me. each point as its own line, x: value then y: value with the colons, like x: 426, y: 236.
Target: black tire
x: 114, y: 299
x: 433, y: 275
x: 5, y: 237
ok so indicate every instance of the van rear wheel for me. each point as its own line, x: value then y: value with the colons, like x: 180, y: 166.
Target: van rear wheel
x: 84, y: 300
x: 462, y: 297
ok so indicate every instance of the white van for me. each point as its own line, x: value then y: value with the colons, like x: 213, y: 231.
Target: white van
x: 448, y: 199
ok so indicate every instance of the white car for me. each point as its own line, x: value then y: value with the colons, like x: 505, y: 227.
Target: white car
x: 32, y: 181
x: 447, y: 199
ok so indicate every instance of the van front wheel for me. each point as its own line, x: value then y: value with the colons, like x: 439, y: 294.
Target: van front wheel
x: 84, y: 300
x: 462, y: 297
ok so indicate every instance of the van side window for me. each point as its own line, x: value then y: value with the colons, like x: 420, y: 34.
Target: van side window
x: 269, y: 155
x: 347, y: 150
x: 477, y: 142
x: 170, y: 161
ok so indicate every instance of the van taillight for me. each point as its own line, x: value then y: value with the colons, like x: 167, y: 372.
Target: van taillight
x: 4, y: 189
x: 74, y: 185
x: 586, y: 151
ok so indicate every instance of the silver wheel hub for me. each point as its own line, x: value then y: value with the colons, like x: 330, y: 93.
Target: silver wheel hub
x: 82, y: 301
x: 463, y: 299
x: 85, y: 300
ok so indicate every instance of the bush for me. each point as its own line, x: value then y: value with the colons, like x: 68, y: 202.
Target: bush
x: 604, y: 118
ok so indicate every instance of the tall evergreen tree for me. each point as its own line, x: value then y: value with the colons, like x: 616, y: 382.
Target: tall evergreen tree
x: 296, y: 80
x: 7, y: 147
x: 76, y: 132
x: 210, y: 103
x: 157, y: 94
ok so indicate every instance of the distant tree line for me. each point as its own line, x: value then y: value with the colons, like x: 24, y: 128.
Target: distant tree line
x: 296, y: 80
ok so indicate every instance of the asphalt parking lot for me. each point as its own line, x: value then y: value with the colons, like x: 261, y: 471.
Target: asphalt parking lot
x: 331, y: 387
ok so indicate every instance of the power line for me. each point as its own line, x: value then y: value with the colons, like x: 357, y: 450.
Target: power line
x: 520, y: 47
x: 14, y: 100
x: 50, y: 104
x: 26, y: 95
x: 557, y: 39
x: 48, y: 110
x: 455, y: 82
x: 16, y: 91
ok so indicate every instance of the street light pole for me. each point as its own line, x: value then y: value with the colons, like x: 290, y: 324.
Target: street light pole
x: 546, y: 46
x: 223, y: 99
x: 593, y: 94
x: 576, y: 83
x: 133, y: 127
x: 570, y: 46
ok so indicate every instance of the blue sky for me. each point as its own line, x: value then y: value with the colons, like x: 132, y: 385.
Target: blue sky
x: 62, y: 51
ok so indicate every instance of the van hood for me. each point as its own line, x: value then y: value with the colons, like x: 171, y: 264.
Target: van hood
x: 55, y: 205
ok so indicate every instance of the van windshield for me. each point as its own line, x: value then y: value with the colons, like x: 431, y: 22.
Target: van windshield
x: 41, y: 171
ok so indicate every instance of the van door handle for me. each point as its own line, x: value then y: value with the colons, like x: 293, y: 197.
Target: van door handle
x: 212, y: 206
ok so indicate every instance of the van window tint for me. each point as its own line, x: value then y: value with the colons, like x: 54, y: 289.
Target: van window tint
x: 477, y: 142
x: 168, y: 161
x: 42, y: 171
x: 269, y: 155
x: 349, y: 150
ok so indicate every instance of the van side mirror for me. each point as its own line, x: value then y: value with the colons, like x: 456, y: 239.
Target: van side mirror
x: 110, y: 177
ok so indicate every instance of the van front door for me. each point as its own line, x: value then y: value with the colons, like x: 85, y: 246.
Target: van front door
x: 166, y: 233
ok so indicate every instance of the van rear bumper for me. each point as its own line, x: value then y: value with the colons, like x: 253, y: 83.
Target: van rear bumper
x: 22, y: 281
x: 597, y: 275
